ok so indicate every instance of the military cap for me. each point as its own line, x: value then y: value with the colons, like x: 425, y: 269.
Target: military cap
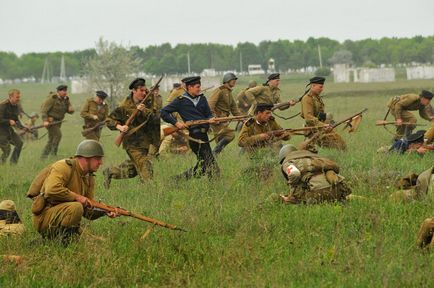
x: 101, y: 94
x: 192, y: 80
x: 273, y: 76
x: 416, y: 137
x: 7, y: 205
x: 137, y: 83
x: 426, y: 94
x: 260, y: 107
x: 62, y: 87
x: 317, y: 80
x: 176, y: 85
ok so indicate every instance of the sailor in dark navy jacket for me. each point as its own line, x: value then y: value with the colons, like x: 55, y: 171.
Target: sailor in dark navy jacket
x: 193, y: 106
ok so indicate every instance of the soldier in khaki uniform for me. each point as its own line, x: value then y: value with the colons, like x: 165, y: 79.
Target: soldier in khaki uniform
x: 313, y: 112
x: 255, y: 132
x: 415, y: 187
x: 177, y: 91
x: 94, y: 111
x: 312, y: 178
x: 401, y: 106
x: 138, y: 137
x: 54, y: 109
x: 10, y: 222
x: 222, y: 104
x: 9, y: 113
x: 242, y: 101
x: 268, y: 93
x: 425, y: 236
x: 64, y: 189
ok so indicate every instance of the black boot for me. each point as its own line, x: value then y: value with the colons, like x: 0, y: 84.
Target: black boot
x: 220, y: 145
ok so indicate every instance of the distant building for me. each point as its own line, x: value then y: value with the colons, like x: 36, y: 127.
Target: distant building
x: 343, y: 74
x: 255, y: 69
x: 420, y: 72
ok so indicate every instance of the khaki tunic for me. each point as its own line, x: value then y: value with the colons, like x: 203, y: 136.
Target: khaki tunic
x: 249, y: 137
x: 136, y: 144
x: 262, y: 94
x: 311, y: 107
x: 90, y: 109
x: 175, y: 93
x: 400, y: 108
x: 243, y: 102
x: 54, y: 109
x: 64, y: 176
x: 222, y: 104
x: 318, y: 180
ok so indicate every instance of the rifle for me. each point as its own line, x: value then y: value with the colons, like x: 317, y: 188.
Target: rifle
x: 93, y: 204
x: 173, y: 129
x: 294, y: 131
x: 86, y: 131
x: 383, y: 122
x: 33, y: 128
x: 285, y: 105
x: 121, y: 135
x: 304, y: 144
x: 206, y: 89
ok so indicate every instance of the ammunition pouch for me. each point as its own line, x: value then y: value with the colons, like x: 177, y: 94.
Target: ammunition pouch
x: 322, y: 116
x: 38, y: 204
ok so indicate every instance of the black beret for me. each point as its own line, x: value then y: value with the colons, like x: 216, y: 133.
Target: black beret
x: 101, y: 94
x: 416, y: 137
x: 426, y: 94
x: 260, y: 107
x: 317, y: 80
x: 192, y: 80
x: 273, y: 76
x: 62, y: 87
x: 137, y: 83
x: 176, y: 85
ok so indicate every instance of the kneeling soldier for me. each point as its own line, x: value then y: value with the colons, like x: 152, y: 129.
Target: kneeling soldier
x: 60, y: 193
x: 312, y: 178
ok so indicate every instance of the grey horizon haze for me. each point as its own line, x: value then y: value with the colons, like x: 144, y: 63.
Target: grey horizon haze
x: 50, y: 25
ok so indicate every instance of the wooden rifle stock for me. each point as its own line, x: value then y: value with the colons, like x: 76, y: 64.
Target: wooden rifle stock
x: 94, y: 204
x: 120, y: 137
x: 172, y: 129
x: 86, y: 131
x: 33, y: 128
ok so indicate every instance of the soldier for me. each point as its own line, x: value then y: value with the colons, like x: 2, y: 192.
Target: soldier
x: 222, y: 104
x: 425, y: 236
x: 255, y: 132
x: 155, y: 121
x: 175, y: 143
x: 10, y: 222
x: 136, y: 143
x: 415, y: 187
x: 268, y: 93
x: 64, y: 189
x: 192, y: 105
x: 94, y: 112
x: 9, y: 113
x: 312, y: 111
x: 177, y: 91
x: 54, y: 109
x: 313, y: 179
x: 242, y: 101
x: 400, y: 107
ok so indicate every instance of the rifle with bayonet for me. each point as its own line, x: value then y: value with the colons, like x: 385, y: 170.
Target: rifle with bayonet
x: 87, y: 131
x: 25, y: 129
x: 316, y: 135
x: 173, y: 129
x: 92, y: 204
x: 121, y: 135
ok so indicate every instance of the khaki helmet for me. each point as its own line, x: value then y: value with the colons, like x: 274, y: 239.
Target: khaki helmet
x: 89, y: 148
x: 285, y: 150
x: 229, y: 77
x: 7, y: 205
x: 252, y: 84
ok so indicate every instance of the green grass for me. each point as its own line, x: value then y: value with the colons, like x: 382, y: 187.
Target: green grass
x: 237, y: 235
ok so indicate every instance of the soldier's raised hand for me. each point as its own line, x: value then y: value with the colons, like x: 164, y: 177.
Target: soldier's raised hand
x: 122, y: 128
x: 264, y: 136
x: 399, y: 122
x: 141, y: 107
x: 46, y: 123
x: 12, y: 122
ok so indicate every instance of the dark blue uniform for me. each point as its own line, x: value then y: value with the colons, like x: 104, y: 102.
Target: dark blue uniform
x: 189, y: 109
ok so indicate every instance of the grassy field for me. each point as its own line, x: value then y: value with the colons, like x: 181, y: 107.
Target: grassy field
x: 237, y: 235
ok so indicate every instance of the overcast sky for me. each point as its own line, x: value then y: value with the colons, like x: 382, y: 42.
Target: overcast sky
x: 60, y: 25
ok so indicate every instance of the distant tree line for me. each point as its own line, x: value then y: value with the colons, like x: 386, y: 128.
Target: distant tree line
x: 287, y: 54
